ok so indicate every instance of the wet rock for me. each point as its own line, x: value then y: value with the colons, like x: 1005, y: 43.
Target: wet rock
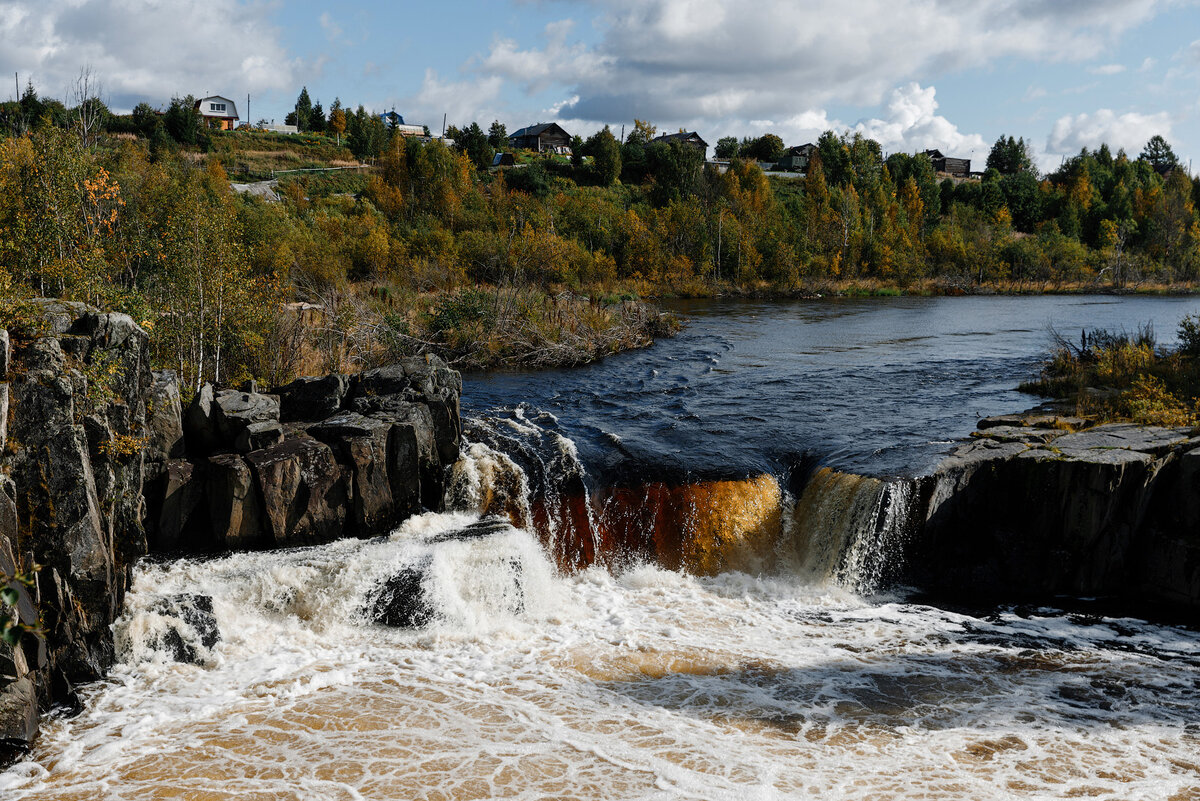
x: 196, y: 626
x: 305, y: 496
x: 5, y: 352
x: 18, y: 719
x: 401, y: 601
x: 235, y: 510
x: 312, y: 398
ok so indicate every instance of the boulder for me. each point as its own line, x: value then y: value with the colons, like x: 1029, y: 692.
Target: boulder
x: 312, y: 398
x: 233, y: 412
x: 413, y: 378
x: 180, y: 520
x: 361, y: 443
x: 417, y: 416
x: 401, y: 601
x: 235, y: 510
x: 18, y: 719
x: 257, y: 436
x: 194, y: 626
x: 304, y: 494
x: 164, y: 419
x: 62, y: 316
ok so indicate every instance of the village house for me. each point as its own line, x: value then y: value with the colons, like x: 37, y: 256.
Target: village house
x: 396, y: 122
x: 796, y: 158
x: 545, y: 137
x: 217, y: 112
x: 960, y: 168
x: 690, y: 138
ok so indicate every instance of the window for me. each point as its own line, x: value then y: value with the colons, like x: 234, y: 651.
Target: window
x: 216, y: 107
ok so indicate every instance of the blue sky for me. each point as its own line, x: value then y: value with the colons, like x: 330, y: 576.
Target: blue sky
x: 952, y: 74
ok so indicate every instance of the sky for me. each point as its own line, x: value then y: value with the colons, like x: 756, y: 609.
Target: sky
x: 913, y: 74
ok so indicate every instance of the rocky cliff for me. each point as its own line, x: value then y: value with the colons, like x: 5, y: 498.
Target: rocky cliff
x: 1030, y: 509
x: 72, y: 428
x: 100, y: 463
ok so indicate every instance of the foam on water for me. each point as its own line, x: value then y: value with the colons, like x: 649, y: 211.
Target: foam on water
x: 648, y: 684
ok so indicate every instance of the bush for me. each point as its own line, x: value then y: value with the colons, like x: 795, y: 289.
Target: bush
x: 1189, y: 335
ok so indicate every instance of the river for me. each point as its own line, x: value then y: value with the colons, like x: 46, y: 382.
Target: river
x: 787, y: 680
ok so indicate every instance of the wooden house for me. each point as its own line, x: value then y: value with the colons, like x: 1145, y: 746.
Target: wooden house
x: 689, y: 138
x: 217, y: 112
x: 796, y: 158
x: 949, y: 165
x: 545, y: 137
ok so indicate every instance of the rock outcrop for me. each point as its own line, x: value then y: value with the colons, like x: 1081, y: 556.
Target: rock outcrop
x: 315, y: 460
x: 74, y: 387
x: 1031, y: 509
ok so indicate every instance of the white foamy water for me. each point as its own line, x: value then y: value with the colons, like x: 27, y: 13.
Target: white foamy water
x: 646, y: 685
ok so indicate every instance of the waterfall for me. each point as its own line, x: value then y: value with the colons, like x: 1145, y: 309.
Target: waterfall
x: 851, y: 529
x: 842, y: 528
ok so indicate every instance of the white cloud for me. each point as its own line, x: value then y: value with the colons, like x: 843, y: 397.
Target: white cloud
x: 462, y: 102
x: 144, y: 49
x: 674, y: 60
x: 912, y: 124
x: 537, y: 69
x: 1107, y: 69
x: 333, y: 31
x: 1129, y: 131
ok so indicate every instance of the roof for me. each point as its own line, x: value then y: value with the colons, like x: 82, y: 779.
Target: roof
x: 687, y: 136
x: 934, y: 154
x: 389, y: 116
x: 538, y: 130
x: 801, y: 150
x: 231, y: 107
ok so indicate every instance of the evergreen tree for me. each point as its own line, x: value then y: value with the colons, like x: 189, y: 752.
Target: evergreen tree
x: 1010, y: 156
x: 1160, y: 155
x: 498, y: 136
x: 303, y: 110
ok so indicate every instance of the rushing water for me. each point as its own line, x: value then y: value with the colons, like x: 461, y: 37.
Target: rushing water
x: 767, y: 666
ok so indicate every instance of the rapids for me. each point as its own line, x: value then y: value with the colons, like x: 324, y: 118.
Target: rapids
x: 645, y: 606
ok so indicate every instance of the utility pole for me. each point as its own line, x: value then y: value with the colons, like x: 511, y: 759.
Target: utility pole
x: 248, y: 117
x: 443, y: 125
x: 17, y: 86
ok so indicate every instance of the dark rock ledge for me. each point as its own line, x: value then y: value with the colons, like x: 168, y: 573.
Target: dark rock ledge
x: 1032, y: 509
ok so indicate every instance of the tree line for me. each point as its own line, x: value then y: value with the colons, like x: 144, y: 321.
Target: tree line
x: 146, y: 221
